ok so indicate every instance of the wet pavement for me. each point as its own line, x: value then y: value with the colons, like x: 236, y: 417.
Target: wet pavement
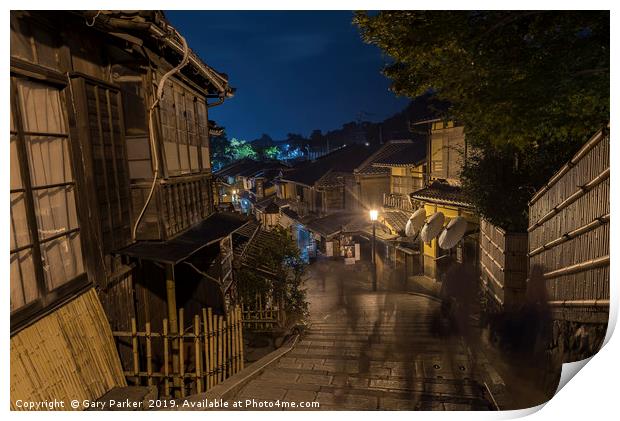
x: 365, y: 350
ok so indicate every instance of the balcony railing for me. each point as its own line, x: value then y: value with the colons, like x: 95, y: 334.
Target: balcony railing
x: 397, y: 201
x: 178, y: 203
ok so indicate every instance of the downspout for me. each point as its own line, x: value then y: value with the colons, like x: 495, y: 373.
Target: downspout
x: 160, y: 94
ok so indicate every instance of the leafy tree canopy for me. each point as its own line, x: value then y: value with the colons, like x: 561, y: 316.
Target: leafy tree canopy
x: 512, y: 77
x: 280, y: 256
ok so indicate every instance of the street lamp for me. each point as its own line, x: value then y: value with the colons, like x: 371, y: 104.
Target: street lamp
x: 373, y: 217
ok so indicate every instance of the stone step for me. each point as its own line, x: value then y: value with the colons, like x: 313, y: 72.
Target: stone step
x: 428, y: 368
x: 375, y: 354
x: 338, y: 340
x: 379, y: 349
x: 312, y: 388
x: 373, y: 378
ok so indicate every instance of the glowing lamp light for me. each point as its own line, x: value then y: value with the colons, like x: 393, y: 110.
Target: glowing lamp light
x: 374, y: 214
x: 234, y: 192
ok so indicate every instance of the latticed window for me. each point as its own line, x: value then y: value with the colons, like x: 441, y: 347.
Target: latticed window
x: 46, y: 252
x: 184, y: 129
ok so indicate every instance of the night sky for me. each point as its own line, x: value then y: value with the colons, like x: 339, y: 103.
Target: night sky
x: 293, y: 71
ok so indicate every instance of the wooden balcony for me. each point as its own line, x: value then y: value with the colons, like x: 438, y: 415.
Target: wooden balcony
x: 177, y: 204
x: 397, y: 201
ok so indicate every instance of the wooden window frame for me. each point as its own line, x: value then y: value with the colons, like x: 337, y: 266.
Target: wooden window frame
x: 47, y: 300
x: 180, y: 87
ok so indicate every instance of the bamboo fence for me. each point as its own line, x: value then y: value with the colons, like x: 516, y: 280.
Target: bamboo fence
x: 262, y: 315
x: 569, y: 232
x: 195, y: 359
x: 503, y: 264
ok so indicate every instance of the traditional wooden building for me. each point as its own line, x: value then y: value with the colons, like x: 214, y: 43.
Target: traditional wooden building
x: 448, y: 150
x: 326, y: 185
x: 320, y: 189
x: 111, y: 188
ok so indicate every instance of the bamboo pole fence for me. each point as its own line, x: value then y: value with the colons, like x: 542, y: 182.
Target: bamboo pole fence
x: 209, y: 351
x: 503, y: 264
x: 262, y: 314
x: 569, y: 231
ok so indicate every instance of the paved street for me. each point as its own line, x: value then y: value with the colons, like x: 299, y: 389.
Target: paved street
x: 369, y: 350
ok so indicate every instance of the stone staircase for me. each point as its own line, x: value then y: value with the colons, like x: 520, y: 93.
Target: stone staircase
x: 398, y: 364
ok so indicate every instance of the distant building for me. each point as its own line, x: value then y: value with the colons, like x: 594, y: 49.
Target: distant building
x: 244, y: 183
x: 320, y: 189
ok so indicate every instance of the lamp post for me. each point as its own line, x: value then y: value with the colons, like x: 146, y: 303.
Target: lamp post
x: 373, y: 217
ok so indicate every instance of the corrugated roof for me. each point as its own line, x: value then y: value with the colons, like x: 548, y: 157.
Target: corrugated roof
x: 443, y: 193
x: 210, y: 230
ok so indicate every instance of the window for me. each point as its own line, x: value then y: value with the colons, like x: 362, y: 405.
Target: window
x: 46, y: 253
x: 34, y: 43
x: 105, y: 138
x: 185, y: 130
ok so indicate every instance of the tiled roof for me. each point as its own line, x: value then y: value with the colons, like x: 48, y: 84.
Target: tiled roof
x: 290, y: 213
x: 396, y: 219
x: 343, y: 160
x: 268, y: 205
x: 331, y: 224
x: 248, y: 167
x: 442, y: 193
x: 362, y: 225
x: 403, y: 155
x: 331, y: 179
x: 392, y: 148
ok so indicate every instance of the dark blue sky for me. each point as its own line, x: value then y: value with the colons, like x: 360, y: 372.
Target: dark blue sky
x: 294, y: 71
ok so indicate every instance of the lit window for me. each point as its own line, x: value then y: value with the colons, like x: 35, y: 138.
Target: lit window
x: 46, y: 252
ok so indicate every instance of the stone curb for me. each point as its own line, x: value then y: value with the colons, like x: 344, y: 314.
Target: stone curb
x: 229, y: 387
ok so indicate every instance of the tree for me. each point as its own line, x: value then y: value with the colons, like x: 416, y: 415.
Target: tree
x: 272, y: 152
x: 219, y: 155
x: 529, y: 87
x: 500, y: 180
x: 280, y: 256
x: 240, y: 149
x: 518, y: 77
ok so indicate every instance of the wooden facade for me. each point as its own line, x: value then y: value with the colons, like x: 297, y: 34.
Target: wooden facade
x: 84, y: 153
x: 569, y: 243
x: 447, y: 151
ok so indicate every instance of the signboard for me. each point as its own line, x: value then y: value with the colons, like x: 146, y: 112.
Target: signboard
x: 357, y: 251
x: 329, y: 248
x: 349, y: 251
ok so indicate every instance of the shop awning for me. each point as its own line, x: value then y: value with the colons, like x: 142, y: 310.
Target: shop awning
x: 179, y: 248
